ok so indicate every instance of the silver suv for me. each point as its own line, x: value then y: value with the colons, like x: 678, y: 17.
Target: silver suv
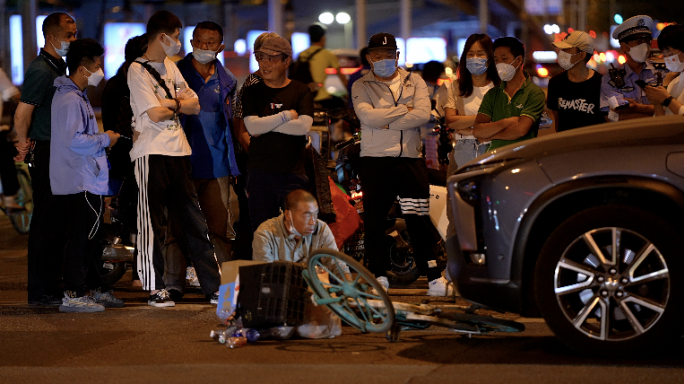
x: 585, y: 227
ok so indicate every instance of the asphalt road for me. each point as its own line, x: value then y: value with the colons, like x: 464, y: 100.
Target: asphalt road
x: 141, y: 344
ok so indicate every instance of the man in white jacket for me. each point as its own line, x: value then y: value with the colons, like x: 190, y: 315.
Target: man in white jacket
x: 392, y: 105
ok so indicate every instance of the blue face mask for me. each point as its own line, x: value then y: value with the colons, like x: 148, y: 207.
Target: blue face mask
x: 63, y: 48
x: 385, y: 68
x: 476, y: 65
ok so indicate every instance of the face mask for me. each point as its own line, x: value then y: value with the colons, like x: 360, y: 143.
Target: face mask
x: 63, y: 49
x: 203, y: 56
x: 565, y: 60
x: 385, y: 68
x: 673, y: 63
x: 173, y: 48
x: 506, y: 71
x: 476, y: 65
x: 95, y: 77
x: 293, y: 231
x: 639, y: 53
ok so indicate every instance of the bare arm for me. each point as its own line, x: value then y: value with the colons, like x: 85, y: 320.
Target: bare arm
x: 241, y: 133
x: 485, y: 129
x: 458, y: 122
x: 555, y: 119
x: 162, y: 113
x: 515, y: 131
x: 22, y: 121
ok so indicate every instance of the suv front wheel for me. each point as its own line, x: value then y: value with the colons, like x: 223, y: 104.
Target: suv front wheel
x: 609, y: 281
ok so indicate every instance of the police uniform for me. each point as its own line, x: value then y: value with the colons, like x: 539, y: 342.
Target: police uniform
x: 610, y: 85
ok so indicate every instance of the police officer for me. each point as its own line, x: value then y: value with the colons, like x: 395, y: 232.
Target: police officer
x: 621, y: 96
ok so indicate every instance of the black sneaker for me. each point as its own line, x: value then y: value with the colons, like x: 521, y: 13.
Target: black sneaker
x: 176, y: 294
x: 213, y: 298
x: 161, y: 299
x: 46, y: 300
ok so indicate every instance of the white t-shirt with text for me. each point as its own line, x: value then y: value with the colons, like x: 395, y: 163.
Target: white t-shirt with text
x: 165, y: 137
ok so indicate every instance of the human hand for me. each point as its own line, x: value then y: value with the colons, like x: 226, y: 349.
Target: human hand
x: 22, y: 149
x: 655, y: 95
x: 409, y: 109
x: 185, y: 94
x: 169, y: 104
x: 113, y: 137
x: 464, y: 132
x: 293, y: 114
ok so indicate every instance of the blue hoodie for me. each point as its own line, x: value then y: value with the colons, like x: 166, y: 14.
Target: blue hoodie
x: 78, y: 161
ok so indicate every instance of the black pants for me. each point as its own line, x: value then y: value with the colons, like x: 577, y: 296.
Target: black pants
x: 267, y: 191
x: 164, y: 181
x: 46, y: 236
x: 242, y: 247
x: 10, y: 182
x: 383, y: 180
x: 82, y: 253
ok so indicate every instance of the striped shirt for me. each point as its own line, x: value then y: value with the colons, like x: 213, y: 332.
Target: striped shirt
x: 237, y: 101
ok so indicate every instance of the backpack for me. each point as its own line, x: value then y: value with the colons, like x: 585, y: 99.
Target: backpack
x: 300, y: 70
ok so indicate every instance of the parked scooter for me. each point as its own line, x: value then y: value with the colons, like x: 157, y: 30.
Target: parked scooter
x: 118, y: 239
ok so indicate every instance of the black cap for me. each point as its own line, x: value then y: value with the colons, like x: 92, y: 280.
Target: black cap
x: 382, y: 40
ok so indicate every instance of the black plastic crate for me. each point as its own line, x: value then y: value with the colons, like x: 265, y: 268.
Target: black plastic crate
x: 272, y: 294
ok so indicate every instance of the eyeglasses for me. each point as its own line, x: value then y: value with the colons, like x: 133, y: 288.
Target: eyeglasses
x: 260, y: 56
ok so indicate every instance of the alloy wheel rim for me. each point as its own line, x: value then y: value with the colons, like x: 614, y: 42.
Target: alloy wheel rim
x: 612, y: 284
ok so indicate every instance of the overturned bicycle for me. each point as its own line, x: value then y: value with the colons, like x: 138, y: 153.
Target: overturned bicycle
x: 274, y: 301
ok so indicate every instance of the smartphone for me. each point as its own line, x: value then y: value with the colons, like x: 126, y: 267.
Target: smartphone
x: 641, y: 83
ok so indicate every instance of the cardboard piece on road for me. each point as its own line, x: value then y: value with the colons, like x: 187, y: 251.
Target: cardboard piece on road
x: 230, y: 269
x: 230, y: 286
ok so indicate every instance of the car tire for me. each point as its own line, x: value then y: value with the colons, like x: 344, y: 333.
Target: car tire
x: 640, y: 286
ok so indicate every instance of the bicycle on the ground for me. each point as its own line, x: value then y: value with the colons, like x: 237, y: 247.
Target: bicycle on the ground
x: 362, y: 303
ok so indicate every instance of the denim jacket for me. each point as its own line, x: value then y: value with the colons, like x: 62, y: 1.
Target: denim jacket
x: 78, y: 161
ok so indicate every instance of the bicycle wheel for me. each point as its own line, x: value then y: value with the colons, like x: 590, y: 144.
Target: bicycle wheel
x: 21, y: 220
x: 360, y: 315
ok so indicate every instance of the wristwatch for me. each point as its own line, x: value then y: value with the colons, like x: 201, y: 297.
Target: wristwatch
x: 667, y: 101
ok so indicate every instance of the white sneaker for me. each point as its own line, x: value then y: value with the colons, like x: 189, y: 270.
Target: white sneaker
x: 384, y: 283
x: 440, y: 287
x: 191, y: 277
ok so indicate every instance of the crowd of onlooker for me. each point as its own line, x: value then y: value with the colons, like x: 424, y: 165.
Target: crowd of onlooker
x: 183, y: 137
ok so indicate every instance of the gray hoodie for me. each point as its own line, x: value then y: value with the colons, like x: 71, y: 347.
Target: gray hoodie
x: 388, y: 129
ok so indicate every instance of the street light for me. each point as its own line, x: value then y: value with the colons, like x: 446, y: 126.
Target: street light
x: 326, y: 18
x: 343, y: 18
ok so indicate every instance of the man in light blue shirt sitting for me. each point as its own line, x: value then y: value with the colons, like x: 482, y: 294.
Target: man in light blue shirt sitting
x: 79, y: 176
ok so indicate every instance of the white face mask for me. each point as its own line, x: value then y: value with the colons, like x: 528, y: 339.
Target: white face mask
x: 506, y: 71
x: 203, y: 56
x: 95, y: 77
x: 639, y: 53
x: 673, y: 63
x: 173, y: 46
x: 291, y: 228
x: 565, y: 59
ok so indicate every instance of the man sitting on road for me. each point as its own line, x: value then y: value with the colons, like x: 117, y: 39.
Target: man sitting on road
x: 295, y: 234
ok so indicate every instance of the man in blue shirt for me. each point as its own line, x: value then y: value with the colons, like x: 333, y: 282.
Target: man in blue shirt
x: 79, y: 176
x: 213, y: 156
x: 621, y: 97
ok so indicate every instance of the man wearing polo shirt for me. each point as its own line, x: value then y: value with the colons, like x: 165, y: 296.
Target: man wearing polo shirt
x: 32, y: 122
x: 510, y: 113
